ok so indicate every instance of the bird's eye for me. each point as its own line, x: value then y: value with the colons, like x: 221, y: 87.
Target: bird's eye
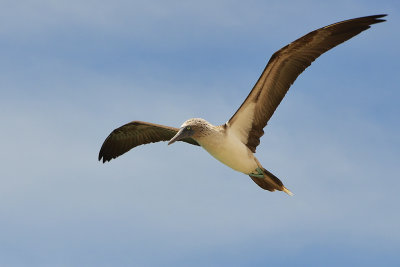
x: 188, y: 128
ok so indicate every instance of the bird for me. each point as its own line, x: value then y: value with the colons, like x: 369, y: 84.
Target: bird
x: 234, y: 142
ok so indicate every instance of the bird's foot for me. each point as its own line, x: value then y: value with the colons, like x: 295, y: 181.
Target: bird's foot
x: 259, y: 173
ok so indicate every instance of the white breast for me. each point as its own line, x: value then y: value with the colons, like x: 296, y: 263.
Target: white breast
x: 228, y: 149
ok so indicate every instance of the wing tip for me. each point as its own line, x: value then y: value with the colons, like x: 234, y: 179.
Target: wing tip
x: 366, y: 21
x: 103, y: 157
x: 377, y: 18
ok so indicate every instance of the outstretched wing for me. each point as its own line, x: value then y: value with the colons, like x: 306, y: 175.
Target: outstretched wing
x: 133, y: 134
x: 282, y: 70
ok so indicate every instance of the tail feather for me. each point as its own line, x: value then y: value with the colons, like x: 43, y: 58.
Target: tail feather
x: 270, y: 182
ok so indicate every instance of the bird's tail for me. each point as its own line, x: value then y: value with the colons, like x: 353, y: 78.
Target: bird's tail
x: 270, y: 182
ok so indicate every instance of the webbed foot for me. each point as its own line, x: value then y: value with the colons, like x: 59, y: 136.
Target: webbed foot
x: 259, y: 173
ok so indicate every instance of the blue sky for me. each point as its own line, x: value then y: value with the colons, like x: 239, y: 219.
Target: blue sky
x: 72, y: 71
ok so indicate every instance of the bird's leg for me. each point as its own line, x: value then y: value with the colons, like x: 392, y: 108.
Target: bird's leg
x: 259, y: 174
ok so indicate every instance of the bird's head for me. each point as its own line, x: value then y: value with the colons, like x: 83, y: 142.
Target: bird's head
x: 189, y: 129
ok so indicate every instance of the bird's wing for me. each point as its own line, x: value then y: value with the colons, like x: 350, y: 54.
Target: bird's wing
x: 282, y: 70
x: 133, y: 134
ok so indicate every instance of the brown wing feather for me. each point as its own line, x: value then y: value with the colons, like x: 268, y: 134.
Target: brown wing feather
x: 133, y: 134
x: 287, y: 64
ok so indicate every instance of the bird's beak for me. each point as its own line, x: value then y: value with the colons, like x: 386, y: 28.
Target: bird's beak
x: 179, y: 136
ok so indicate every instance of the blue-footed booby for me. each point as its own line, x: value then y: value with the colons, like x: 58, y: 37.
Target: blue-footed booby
x: 234, y: 143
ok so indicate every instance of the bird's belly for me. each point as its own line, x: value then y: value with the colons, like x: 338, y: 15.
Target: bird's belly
x: 233, y: 153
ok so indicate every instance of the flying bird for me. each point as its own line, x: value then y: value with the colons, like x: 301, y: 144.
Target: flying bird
x: 234, y: 143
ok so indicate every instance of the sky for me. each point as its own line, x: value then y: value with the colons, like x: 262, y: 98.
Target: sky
x: 72, y: 71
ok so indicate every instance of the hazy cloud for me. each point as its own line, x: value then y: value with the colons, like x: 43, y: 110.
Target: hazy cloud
x: 73, y: 71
